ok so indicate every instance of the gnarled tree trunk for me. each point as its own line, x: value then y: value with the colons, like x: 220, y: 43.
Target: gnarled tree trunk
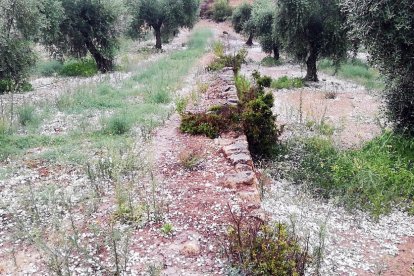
x: 158, y: 42
x: 276, y: 54
x: 311, y: 72
x: 104, y: 64
x: 249, y: 42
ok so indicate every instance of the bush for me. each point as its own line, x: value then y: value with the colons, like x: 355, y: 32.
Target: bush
x: 6, y: 86
x: 287, y: 83
x: 375, y: 177
x: 220, y: 119
x: 221, y: 10
x: 49, y: 68
x: 257, y: 248
x: 232, y: 60
x: 79, y: 68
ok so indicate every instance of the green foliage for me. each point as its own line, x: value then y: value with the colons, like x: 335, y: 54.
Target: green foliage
x: 287, y: 83
x: 118, y: 124
x: 221, y: 10
x: 375, y: 177
x: 79, y: 68
x: 310, y: 29
x: 242, y: 21
x: 257, y: 248
x: 19, y: 23
x: 264, y: 15
x: 49, y: 68
x: 234, y: 61
x: 26, y: 115
x: 78, y: 27
x: 242, y: 86
x: 165, y: 17
x: 6, y: 85
x: 355, y: 70
x: 391, y: 23
x: 167, y: 228
x: 221, y: 119
x: 270, y: 62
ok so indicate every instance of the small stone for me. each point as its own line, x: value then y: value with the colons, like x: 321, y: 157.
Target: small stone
x: 241, y: 178
x: 190, y: 248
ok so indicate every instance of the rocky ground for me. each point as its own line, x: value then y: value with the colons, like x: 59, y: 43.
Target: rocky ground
x: 188, y: 212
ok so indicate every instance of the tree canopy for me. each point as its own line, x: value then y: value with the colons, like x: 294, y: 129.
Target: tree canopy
x: 163, y: 16
x: 19, y: 23
x: 264, y: 15
x: 242, y: 21
x: 310, y: 29
x: 79, y: 27
x: 386, y: 28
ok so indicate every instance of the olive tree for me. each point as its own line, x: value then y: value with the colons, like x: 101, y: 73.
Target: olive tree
x: 164, y: 17
x: 264, y: 15
x: 311, y: 29
x: 243, y: 23
x: 19, y: 22
x: 386, y: 28
x: 79, y: 27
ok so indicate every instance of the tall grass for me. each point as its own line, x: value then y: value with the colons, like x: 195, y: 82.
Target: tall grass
x: 356, y: 71
x: 376, y: 177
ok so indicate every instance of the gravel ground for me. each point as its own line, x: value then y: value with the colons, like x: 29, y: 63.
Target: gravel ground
x: 354, y: 243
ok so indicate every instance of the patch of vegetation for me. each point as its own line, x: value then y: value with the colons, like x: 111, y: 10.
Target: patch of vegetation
x: 6, y: 86
x: 190, y: 159
x: 376, y: 177
x: 221, y: 10
x: 253, y: 116
x: 287, y: 83
x: 118, y: 124
x: 220, y: 119
x: 258, y: 248
x: 270, y: 62
x: 222, y: 60
x: 167, y: 228
x: 48, y: 68
x: 26, y: 115
x: 354, y: 70
x: 79, y: 68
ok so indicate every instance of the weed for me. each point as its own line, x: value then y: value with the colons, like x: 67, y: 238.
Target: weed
x: 231, y: 60
x: 167, y: 229
x: 287, y: 83
x: 26, y: 115
x: 242, y: 86
x: 218, y: 49
x: 331, y: 95
x: 118, y: 124
x: 190, y: 159
x: 79, y: 68
x: 355, y: 70
x: 257, y: 248
x: 270, y: 62
x: 375, y: 177
x: 181, y: 105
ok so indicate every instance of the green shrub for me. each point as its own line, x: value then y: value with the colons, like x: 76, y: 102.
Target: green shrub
x: 79, y: 68
x: 287, y: 83
x: 257, y: 248
x: 375, y: 177
x: 270, y: 62
x: 242, y: 86
x: 221, y: 10
x: 49, y: 68
x: 6, y: 86
x: 220, y: 119
x: 118, y: 124
x: 234, y: 61
x: 26, y: 115
x: 260, y: 125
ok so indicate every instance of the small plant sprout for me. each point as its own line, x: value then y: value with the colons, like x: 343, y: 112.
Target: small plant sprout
x: 167, y: 229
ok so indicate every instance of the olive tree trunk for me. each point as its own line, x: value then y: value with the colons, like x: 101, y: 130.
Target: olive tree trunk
x: 249, y: 41
x: 276, y: 54
x: 104, y: 64
x: 311, y: 71
x: 158, y: 41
